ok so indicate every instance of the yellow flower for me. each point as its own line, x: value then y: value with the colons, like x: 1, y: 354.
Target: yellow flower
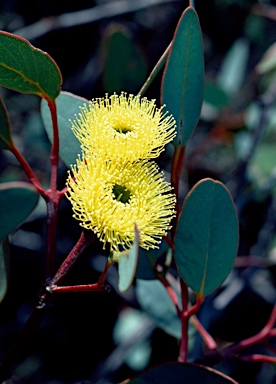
x: 109, y: 197
x: 128, y: 128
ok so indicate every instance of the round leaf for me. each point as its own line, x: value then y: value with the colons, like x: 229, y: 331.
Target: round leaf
x: 27, y: 69
x: 17, y: 200
x: 175, y: 373
x: 5, y: 129
x: 125, y: 71
x: 67, y: 106
x: 183, y: 78
x: 155, y: 301
x: 127, y: 264
x: 207, y: 237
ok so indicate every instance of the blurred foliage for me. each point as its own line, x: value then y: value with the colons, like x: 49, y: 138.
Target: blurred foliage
x: 234, y: 142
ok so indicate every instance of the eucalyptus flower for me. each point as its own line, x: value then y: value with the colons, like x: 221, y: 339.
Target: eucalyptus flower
x: 128, y: 128
x: 108, y: 197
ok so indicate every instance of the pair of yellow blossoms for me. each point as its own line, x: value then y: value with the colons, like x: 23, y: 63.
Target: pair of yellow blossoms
x: 114, y: 183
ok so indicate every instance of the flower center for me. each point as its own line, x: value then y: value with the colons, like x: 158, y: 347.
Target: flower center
x: 121, y: 193
x: 123, y: 130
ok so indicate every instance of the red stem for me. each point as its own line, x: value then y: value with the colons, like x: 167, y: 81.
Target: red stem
x: 86, y: 238
x: 251, y: 261
x: 63, y: 191
x: 259, y: 358
x: 28, y: 170
x: 52, y: 217
x: 171, y: 292
x: 185, y: 316
x: 102, y: 278
x: 193, y: 310
x: 53, y: 195
x: 183, y: 348
x: 99, y: 286
x: 176, y: 169
x: 55, y: 145
x: 52, y: 198
x: 79, y: 288
x: 232, y: 351
x: 258, y: 338
x: 272, y: 333
x: 208, y: 339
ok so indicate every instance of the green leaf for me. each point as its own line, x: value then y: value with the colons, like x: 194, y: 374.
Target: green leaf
x: 128, y: 324
x: 175, y: 373
x: 207, y: 236
x: 5, y: 127
x: 27, y: 69
x: 155, y: 301
x: 262, y: 164
x: 3, y: 270
x: 215, y: 95
x: 268, y: 61
x: 17, y: 200
x: 127, y: 264
x: 234, y: 67
x: 68, y: 105
x: 183, y: 78
x: 125, y: 68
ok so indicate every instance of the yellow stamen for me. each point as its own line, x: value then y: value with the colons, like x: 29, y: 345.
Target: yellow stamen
x: 108, y: 197
x: 128, y: 128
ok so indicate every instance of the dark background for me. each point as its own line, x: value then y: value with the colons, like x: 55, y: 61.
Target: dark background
x: 75, y: 338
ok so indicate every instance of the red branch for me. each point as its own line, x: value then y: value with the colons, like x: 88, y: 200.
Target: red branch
x: 78, y: 288
x: 257, y: 358
x: 86, y: 238
x: 171, y: 292
x: 176, y: 169
x: 185, y: 316
x: 52, y: 218
x: 256, y: 339
x: 99, y: 286
x: 183, y: 348
x: 28, y: 170
x: 55, y: 145
x: 260, y: 337
x: 193, y: 310
x: 232, y: 352
x: 53, y: 196
x: 208, y: 339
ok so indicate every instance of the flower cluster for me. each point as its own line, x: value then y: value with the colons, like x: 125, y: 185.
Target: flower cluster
x: 123, y: 128
x: 114, y: 184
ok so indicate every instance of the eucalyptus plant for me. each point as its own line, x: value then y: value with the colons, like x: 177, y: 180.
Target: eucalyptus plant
x: 121, y: 197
